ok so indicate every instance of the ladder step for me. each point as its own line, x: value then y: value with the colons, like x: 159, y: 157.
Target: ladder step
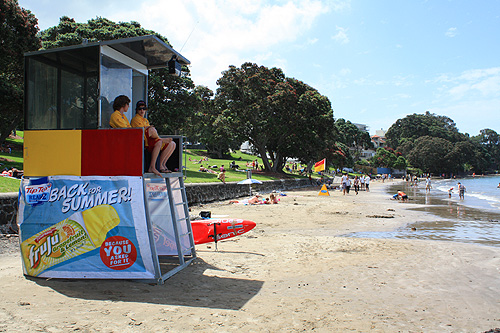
x: 180, y: 203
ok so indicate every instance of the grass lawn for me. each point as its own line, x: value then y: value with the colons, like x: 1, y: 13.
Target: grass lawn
x: 14, y: 159
x: 9, y: 184
x: 195, y: 176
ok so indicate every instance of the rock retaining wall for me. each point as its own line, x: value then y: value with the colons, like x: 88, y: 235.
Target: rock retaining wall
x: 8, y: 212
x: 196, y: 194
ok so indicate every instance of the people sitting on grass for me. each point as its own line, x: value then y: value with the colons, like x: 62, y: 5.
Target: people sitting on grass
x: 203, y: 169
x: 12, y: 172
x: 234, y: 166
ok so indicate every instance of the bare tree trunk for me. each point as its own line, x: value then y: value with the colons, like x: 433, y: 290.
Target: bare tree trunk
x: 263, y: 154
x: 278, y: 163
x: 8, y: 129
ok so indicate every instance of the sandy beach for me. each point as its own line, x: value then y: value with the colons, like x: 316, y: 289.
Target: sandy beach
x: 293, y: 272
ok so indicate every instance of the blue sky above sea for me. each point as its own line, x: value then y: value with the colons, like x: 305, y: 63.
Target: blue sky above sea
x: 377, y: 61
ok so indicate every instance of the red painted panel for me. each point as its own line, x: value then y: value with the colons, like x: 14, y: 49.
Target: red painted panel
x: 112, y: 152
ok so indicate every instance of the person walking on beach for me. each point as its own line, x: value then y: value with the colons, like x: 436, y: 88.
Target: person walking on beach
x: 356, y: 184
x: 461, y: 191
x: 367, y: 183
x: 348, y: 185
x: 345, y: 178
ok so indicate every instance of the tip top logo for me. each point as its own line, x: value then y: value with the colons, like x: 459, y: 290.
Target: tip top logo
x: 36, y: 194
x: 156, y: 191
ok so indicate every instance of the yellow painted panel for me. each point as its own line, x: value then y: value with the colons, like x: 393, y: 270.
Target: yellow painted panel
x: 50, y: 153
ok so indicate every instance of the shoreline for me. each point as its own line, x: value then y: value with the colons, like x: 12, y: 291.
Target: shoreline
x: 294, y: 271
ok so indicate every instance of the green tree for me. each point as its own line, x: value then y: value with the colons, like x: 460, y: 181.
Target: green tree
x: 383, y: 158
x: 490, y: 140
x: 171, y: 99
x: 281, y: 117
x: 432, y: 155
x: 415, y: 126
x: 212, y: 127
x: 350, y: 135
x: 18, y: 30
x: 400, y: 163
x: 339, y: 155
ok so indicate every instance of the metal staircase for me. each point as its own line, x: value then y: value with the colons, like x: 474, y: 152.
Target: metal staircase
x: 171, y: 229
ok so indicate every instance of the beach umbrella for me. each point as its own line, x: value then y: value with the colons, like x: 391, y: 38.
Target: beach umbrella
x: 250, y: 181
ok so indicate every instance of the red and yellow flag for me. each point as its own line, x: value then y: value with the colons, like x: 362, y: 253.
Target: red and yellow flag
x: 320, y: 166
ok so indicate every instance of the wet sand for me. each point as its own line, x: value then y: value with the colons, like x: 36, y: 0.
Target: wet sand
x: 293, y: 272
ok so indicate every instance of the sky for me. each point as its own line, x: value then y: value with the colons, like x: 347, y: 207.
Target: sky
x: 377, y: 61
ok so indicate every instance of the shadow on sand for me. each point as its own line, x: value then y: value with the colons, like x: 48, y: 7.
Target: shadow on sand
x: 189, y: 287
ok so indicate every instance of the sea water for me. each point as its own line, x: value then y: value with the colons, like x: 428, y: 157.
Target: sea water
x: 482, y: 192
x: 474, y: 219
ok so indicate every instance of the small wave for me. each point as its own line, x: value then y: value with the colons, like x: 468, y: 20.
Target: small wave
x: 484, y: 197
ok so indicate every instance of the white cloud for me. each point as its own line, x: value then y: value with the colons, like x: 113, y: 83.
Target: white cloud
x: 485, y: 82
x: 345, y: 71
x: 475, y: 74
x: 471, y: 98
x: 472, y: 116
x: 229, y: 32
x: 341, y: 35
x: 312, y: 41
x: 451, y: 32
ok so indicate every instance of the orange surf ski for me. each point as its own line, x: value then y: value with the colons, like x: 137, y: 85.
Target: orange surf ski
x: 206, y: 231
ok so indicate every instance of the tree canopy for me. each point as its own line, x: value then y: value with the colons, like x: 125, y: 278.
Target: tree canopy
x: 282, y: 117
x: 433, y: 144
x: 415, y: 126
x: 490, y: 140
x: 211, y: 126
x: 350, y: 135
x: 171, y: 99
x: 18, y: 34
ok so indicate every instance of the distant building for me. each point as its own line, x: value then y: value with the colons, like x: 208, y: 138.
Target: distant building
x: 366, y: 154
x: 378, y: 141
x: 362, y: 127
x: 247, y: 147
x: 381, y: 132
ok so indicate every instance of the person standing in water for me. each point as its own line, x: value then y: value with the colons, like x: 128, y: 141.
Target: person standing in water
x: 461, y: 191
x: 428, y: 184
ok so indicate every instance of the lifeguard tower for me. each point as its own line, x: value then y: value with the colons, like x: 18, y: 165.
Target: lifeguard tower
x: 87, y: 208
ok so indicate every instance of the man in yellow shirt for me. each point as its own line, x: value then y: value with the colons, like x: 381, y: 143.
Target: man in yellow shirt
x: 118, y: 119
x: 153, y: 143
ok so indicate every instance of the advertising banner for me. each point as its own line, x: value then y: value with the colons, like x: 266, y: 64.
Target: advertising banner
x: 161, y: 216
x: 84, y: 227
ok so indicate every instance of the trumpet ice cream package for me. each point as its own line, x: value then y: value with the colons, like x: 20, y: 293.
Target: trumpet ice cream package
x: 84, y: 227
